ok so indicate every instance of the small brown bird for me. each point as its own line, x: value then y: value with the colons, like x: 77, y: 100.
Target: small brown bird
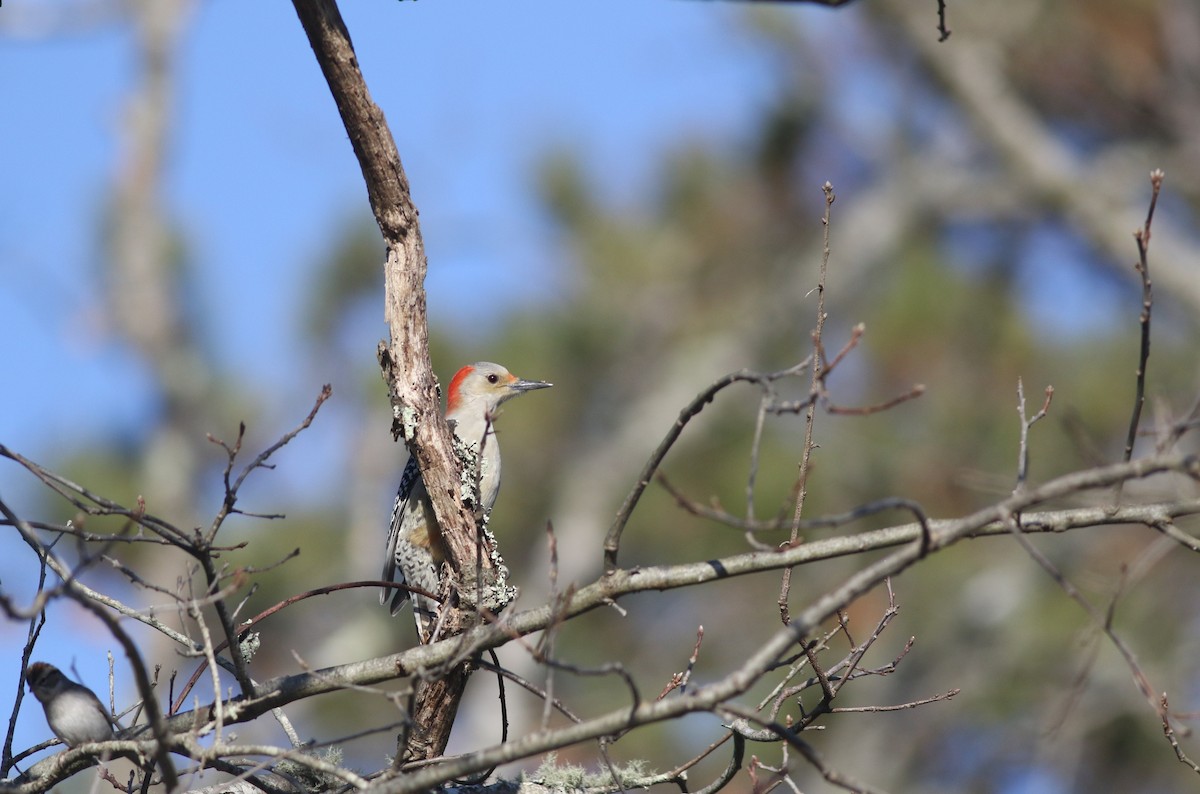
x: 74, y: 712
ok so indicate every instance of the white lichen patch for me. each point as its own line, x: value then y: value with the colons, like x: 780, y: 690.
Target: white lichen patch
x: 407, y: 415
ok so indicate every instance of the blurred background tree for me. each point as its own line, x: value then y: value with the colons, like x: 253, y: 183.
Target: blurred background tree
x: 987, y: 189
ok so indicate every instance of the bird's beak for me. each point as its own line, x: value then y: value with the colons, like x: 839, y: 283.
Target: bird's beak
x: 529, y: 385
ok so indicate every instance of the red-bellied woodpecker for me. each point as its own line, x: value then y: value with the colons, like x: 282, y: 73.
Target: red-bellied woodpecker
x: 414, y: 554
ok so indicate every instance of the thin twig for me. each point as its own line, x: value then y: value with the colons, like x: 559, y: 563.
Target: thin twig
x: 866, y: 410
x: 912, y: 704
x: 1169, y: 733
x: 530, y: 687
x: 1142, y: 238
x: 680, y: 680
x: 1098, y: 618
x: 35, y: 630
x: 735, y: 763
x: 810, y: 416
x: 943, y: 31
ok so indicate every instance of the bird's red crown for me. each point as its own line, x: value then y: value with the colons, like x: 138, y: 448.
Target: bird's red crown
x: 456, y: 382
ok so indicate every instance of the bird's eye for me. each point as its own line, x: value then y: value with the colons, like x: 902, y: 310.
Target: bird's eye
x: 493, y: 378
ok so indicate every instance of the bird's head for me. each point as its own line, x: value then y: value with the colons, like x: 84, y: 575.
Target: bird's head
x: 484, y: 386
x: 45, y: 680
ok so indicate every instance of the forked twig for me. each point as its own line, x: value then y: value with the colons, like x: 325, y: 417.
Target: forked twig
x: 612, y: 541
x: 231, y: 489
x: 1026, y: 423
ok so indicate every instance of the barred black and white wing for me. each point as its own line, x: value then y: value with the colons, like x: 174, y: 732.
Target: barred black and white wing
x: 409, y: 558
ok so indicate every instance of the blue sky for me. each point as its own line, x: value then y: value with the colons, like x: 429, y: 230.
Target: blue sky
x: 261, y: 172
